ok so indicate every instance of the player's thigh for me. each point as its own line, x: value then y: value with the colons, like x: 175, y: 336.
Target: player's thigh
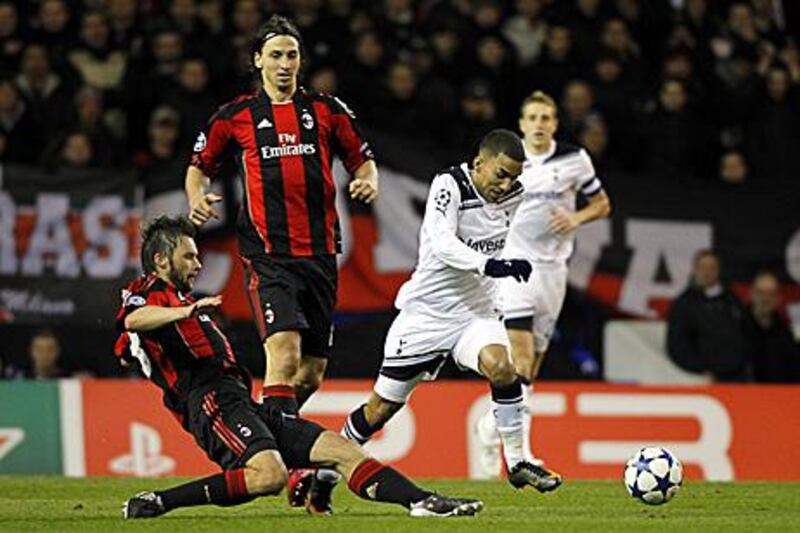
x: 273, y: 291
x: 295, y: 437
x: 226, y: 424
x: 480, y: 333
x: 550, y: 293
x: 414, y: 350
x: 317, y: 301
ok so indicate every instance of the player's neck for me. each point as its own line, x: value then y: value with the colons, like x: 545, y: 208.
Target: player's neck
x: 539, y: 148
x: 279, y: 95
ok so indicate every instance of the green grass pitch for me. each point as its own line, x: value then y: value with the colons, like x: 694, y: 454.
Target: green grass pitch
x: 59, y: 504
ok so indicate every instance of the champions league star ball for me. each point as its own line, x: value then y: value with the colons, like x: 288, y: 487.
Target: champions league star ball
x: 653, y: 475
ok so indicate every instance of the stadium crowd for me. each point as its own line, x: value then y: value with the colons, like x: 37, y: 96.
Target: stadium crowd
x: 657, y: 88
x: 689, y: 87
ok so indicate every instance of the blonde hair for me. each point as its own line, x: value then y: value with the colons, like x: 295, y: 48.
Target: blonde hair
x: 539, y: 97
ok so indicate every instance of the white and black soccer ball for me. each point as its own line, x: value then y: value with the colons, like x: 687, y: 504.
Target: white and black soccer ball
x: 653, y: 475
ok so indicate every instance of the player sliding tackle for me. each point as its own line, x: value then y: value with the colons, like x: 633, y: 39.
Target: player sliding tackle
x: 449, y: 307
x: 182, y: 350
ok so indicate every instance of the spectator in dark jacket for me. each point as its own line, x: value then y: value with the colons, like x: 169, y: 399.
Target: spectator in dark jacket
x: 769, y: 345
x: 704, y: 330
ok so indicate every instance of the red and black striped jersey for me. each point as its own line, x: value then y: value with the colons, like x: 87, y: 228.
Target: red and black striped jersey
x: 182, y: 355
x: 284, y: 154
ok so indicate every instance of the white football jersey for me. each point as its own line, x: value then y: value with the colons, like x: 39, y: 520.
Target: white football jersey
x: 551, y: 181
x: 460, y: 231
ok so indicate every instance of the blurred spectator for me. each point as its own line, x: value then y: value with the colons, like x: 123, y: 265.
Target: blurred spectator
x: 704, y: 327
x: 449, y: 52
x: 96, y: 60
x: 577, y: 105
x: 46, y: 94
x: 124, y: 25
x: 617, y: 39
x: 56, y: 30
x: 44, y: 354
x: 324, y: 80
x: 22, y: 137
x: 397, y: 24
x: 476, y: 117
x: 733, y: 168
x: 11, y: 40
x: 247, y: 17
x: 594, y: 137
x: 103, y: 128
x: 556, y: 65
x: 400, y: 110
x: 72, y: 150
x: 614, y: 95
x: 191, y: 97
x: 360, y: 72
x: 674, y: 142
x: 162, y: 166
x: 495, y: 63
x: 526, y: 30
x: 772, y: 136
x: 769, y: 345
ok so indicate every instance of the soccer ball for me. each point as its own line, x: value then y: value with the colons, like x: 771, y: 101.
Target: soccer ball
x: 653, y: 475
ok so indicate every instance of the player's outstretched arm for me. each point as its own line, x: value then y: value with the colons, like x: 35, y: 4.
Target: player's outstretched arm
x: 152, y: 317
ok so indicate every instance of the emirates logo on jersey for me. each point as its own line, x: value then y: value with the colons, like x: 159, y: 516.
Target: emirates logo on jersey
x: 288, y: 147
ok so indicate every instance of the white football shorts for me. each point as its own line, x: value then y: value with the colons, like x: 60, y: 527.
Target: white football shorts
x: 417, y: 346
x: 540, y: 298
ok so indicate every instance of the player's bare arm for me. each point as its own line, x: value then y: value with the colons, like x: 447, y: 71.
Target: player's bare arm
x: 364, y: 186
x: 599, y: 206
x: 152, y: 317
x: 201, y: 202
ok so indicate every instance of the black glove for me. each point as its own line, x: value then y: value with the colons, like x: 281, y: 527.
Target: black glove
x: 519, y: 269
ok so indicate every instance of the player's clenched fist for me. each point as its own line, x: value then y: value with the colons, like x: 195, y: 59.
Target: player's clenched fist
x: 202, y: 208
x: 519, y: 269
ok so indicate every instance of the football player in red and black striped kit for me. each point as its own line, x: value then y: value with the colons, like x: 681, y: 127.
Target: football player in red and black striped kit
x: 283, y: 139
x: 178, y: 345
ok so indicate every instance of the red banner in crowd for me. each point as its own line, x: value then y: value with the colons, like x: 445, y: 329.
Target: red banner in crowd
x: 584, y: 431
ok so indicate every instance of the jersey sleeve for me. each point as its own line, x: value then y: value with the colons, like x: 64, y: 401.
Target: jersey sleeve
x: 350, y: 145
x: 440, y: 225
x: 586, y: 180
x: 211, y: 143
x: 134, y: 298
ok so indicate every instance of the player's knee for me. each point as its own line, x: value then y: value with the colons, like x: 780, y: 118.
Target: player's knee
x: 498, y: 367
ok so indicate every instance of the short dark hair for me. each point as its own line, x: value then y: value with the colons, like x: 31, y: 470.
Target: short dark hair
x: 502, y: 141
x: 276, y: 25
x: 706, y: 252
x: 161, y: 236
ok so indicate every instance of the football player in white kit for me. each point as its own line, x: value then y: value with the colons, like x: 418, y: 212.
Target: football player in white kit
x: 542, y: 232
x: 449, y: 308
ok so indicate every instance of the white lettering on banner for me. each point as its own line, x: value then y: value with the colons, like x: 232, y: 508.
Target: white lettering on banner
x: 709, y: 451
x: 589, y: 243
x: 541, y: 404
x: 110, y: 239
x: 10, y: 438
x: 674, y: 243
x: 51, y: 237
x: 399, y: 433
x: 145, y: 458
x: 8, y: 218
x: 398, y: 222
x: 793, y: 256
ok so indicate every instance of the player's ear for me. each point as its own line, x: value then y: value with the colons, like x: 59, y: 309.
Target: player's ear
x: 161, y: 260
x: 257, y: 60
